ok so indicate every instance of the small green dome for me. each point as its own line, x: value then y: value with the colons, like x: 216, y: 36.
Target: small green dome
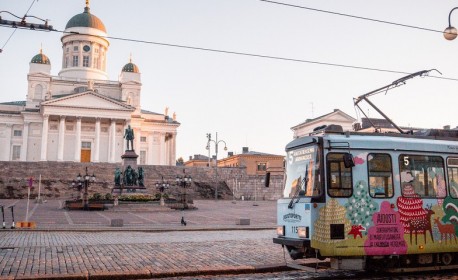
x: 40, y: 59
x: 86, y: 19
x: 130, y: 67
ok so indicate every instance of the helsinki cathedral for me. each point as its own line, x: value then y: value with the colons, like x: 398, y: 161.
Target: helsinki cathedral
x: 80, y: 115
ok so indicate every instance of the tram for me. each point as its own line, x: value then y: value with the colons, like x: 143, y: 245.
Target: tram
x: 371, y: 200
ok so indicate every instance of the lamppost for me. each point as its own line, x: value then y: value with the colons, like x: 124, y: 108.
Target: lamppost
x: 450, y: 32
x: 216, y: 143
x: 162, y: 186
x: 184, y: 182
x: 82, y: 182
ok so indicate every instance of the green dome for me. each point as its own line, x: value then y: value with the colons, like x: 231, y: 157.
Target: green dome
x: 130, y: 67
x: 86, y: 19
x: 40, y: 59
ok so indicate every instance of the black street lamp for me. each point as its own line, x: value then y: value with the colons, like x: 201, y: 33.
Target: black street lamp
x: 184, y: 182
x: 450, y: 32
x: 82, y: 183
x: 162, y: 186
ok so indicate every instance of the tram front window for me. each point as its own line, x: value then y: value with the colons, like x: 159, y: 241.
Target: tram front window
x: 303, y: 173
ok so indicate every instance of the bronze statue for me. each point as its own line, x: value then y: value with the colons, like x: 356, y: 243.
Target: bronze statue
x: 129, y: 176
x: 117, y: 178
x: 129, y: 136
x: 141, y: 177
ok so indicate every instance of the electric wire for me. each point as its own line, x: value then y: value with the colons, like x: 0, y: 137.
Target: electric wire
x: 12, y: 33
x: 352, y: 16
x: 278, y: 57
x: 258, y: 55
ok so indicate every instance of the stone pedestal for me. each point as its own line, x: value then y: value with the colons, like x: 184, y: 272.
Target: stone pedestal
x: 129, y: 158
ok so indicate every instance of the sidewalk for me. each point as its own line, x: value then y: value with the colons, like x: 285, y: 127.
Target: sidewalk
x: 210, y: 214
x: 151, y: 244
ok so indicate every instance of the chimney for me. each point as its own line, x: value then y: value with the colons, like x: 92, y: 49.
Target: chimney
x: 447, y: 127
x: 244, y: 150
x: 190, y: 157
x: 229, y: 154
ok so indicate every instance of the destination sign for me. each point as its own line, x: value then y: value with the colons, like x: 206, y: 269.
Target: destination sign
x: 305, y: 154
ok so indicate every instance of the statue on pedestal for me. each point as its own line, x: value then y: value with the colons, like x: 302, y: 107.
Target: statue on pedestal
x: 117, y: 178
x: 129, y: 136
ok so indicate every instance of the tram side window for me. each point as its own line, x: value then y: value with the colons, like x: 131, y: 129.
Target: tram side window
x: 380, y: 175
x: 452, y: 168
x: 339, y: 177
x: 422, y: 176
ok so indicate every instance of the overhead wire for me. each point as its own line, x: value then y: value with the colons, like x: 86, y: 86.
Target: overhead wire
x: 279, y: 57
x: 351, y: 16
x: 12, y: 33
x: 258, y: 55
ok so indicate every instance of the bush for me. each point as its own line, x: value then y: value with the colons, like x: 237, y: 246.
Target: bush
x: 96, y: 196
x: 136, y: 197
x: 108, y: 196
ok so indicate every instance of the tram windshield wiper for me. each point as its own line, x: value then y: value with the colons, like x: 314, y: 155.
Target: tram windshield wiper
x: 299, y: 192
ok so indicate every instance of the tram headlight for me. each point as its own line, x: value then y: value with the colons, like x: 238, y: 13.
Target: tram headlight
x: 280, y: 230
x: 303, y: 232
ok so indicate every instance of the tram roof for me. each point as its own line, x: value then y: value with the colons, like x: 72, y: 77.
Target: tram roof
x: 438, y: 141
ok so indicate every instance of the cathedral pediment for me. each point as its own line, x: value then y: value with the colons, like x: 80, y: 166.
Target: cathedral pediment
x: 88, y: 100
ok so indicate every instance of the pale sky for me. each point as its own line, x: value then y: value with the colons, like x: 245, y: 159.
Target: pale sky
x: 253, y: 101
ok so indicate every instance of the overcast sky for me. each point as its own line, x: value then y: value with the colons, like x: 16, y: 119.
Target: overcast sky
x: 252, y: 101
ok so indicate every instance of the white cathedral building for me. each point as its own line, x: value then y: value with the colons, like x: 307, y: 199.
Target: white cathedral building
x: 80, y: 115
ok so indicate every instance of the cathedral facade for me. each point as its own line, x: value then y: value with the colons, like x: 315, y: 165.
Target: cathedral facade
x: 80, y: 115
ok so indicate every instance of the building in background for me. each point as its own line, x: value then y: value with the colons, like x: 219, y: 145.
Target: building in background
x: 336, y: 117
x: 80, y: 115
x: 256, y: 163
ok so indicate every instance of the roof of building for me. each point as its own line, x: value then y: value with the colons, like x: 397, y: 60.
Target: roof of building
x: 86, y: 19
x: 40, y: 59
x: 15, y: 103
x: 149, y: 112
x: 324, y: 116
x: 130, y: 67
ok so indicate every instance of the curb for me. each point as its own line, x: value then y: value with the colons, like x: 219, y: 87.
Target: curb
x: 147, y: 274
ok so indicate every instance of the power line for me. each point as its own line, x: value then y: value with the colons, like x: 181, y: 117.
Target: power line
x: 4, y: 45
x: 258, y: 55
x: 352, y: 16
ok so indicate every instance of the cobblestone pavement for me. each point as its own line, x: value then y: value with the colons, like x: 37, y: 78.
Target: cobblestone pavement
x: 210, y: 214
x: 152, y: 242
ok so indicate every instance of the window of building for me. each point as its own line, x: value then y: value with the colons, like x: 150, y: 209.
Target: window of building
x: 96, y: 50
x: 75, y: 61
x: 16, y: 153
x: 75, y: 48
x: 17, y: 132
x: 68, y: 49
x: 452, y: 170
x: 261, y: 166
x: 142, y: 157
x: 66, y: 62
x: 86, y: 145
x: 142, y: 139
x: 422, y: 176
x: 339, y: 177
x: 85, y: 61
x: 380, y: 175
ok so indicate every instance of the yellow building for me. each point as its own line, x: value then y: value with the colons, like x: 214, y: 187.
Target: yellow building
x: 256, y: 163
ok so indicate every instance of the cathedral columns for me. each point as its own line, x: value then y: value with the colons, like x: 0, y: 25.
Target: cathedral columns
x: 44, y: 138
x: 150, y: 148
x: 60, y: 147
x: 25, y: 141
x: 8, y: 135
x: 163, y: 155
x: 112, y: 140
x: 77, y: 157
x: 97, y: 140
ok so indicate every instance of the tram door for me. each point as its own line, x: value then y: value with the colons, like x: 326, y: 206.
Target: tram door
x: 85, y: 151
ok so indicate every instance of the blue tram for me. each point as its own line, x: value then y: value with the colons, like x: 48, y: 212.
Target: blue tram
x: 371, y: 200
